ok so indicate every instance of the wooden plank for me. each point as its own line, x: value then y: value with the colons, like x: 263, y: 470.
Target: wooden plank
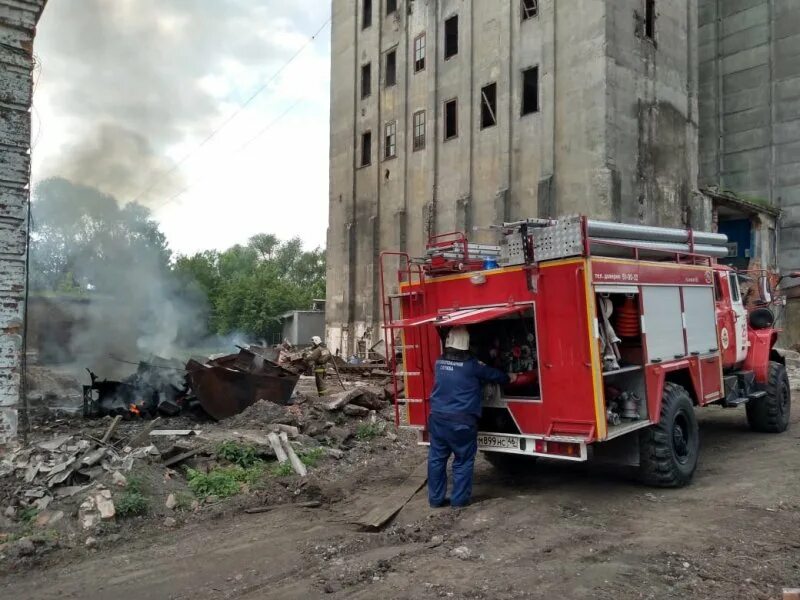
x: 393, y: 504
x: 111, y: 428
x: 294, y: 460
x: 280, y: 454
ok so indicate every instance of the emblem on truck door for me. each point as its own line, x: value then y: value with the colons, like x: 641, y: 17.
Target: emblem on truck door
x: 725, y: 338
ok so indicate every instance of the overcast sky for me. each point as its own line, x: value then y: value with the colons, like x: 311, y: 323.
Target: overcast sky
x: 127, y: 88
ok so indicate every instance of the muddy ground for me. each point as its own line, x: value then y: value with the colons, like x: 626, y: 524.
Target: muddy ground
x: 562, y: 531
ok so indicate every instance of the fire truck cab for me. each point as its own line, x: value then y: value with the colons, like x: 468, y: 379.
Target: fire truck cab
x: 616, y: 333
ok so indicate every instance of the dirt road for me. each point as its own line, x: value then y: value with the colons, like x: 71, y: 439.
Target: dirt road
x: 564, y: 531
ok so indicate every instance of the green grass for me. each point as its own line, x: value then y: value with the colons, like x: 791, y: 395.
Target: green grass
x: 27, y: 515
x: 311, y: 457
x: 368, y: 431
x: 132, y: 504
x: 282, y: 470
x: 133, y: 501
x: 183, y: 501
x: 243, y: 455
x: 222, y: 482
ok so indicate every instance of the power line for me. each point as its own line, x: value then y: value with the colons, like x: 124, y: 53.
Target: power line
x: 241, y: 148
x: 232, y: 116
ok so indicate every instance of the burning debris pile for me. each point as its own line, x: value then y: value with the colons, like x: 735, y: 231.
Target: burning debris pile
x: 219, y: 387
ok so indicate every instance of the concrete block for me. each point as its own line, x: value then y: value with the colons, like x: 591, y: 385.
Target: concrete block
x: 787, y: 89
x: 787, y: 109
x: 788, y: 46
x: 786, y: 65
x: 787, y: 175
x: 738, y: 19
x: 747, y: 119
x: 745, y: 180
x: 746, y: 39
x: 706, y: 13
x: 747, y: 59
x: 786, y: 131
x: 752, y: 78
x: 788, y: 196
x: 747, y: 160
x: 745, y: 100
x: 746, y: 140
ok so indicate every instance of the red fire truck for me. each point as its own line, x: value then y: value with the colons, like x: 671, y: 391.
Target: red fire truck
x: 617, y: 332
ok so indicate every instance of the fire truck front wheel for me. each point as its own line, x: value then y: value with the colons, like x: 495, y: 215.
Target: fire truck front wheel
x: 770, y: 413
x: 669, y: 449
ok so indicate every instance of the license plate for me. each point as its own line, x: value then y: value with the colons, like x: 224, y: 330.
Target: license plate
x: 498, y: 441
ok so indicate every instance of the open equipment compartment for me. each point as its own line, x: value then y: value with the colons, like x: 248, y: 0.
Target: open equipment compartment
x: 623, y: 356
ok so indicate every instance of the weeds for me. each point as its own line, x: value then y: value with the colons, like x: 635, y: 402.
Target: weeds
x: 27, y: 515
x: 243, y: 455
x: 282, y: 470
x: 311, y: 457
x: 183, y: 501
x: 368, y: 431
x: 133, y: 501
x: 222, y: 482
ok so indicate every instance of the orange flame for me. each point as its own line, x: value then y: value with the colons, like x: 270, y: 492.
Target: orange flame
x: 134, y: 410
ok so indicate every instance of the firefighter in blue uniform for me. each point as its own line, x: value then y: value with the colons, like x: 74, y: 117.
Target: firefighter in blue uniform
x: 453, y: 421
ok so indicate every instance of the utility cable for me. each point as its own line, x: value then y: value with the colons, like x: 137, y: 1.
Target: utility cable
x: 233, y: 115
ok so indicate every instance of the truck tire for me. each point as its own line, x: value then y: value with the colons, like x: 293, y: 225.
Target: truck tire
x: 668, y: 450
x: 510, y: 463
x: 770, y: 413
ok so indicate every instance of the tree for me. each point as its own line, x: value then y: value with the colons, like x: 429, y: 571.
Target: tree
x: 249, y: 287
x: 82, y: 239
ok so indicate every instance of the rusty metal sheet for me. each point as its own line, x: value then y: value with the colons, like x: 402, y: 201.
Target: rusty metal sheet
x: 225, y: 392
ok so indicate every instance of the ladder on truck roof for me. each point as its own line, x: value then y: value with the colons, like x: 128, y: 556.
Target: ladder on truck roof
x: 538, y: 240
x: 410, y: 273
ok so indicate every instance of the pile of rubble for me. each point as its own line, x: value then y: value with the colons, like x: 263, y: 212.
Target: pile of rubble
x: 72, y: 478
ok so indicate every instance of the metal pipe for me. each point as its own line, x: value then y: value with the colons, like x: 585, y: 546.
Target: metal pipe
x: 606, y: 246
x: 622, y: 231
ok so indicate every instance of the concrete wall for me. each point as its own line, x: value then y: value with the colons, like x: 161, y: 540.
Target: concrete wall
x: 302, y: 326
x: 615, y: 136
x: 18, y: 20
x: 750, y: 106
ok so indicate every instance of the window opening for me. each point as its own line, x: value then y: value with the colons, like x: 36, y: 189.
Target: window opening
x: 451, y: 37
x: 366, y: 14
x: 419, y: 53
x: 450, y: 119
x: 366, y: 80
x: 366, y: 148
x: 530, y: 8
x: 650, y: 19
x: 530, y: 91
x: 391, y: 6
x: 391, y: 68
x: 390, y: 140
x: 489, y: 106
x: 419, y: 130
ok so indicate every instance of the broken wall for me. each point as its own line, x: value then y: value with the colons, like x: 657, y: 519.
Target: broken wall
x: 18, y: 19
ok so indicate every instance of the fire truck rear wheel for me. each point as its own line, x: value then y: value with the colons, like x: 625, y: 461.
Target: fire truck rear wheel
x: 510, y: 463
x: 770, y: 414
x: 668, y: 450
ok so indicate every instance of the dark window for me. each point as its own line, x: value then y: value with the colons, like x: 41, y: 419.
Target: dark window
x: 489, y: 106
x: 530, y: 90
x: 419, y: 53
x: 530, y: 8
x: 391, y: 68
x: 451, y: 37
x: 419, y: 130
x: 366, y: 149
x: 734, y: 281
x: 717, y: 287
x: 450, y: 119
x: 390, y: 140
x: 366, y: 14
x: 366, y: 80
x: 391, y: 6
x: 650, y: 19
